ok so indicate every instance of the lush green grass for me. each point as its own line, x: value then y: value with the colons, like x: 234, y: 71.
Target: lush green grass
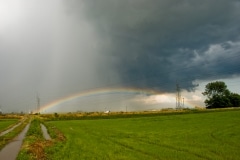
x: 214, y: 135
x: 6, y: 123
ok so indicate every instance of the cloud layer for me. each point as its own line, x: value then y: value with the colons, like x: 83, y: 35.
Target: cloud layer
x: 58, y: 48
x: 156, y: 43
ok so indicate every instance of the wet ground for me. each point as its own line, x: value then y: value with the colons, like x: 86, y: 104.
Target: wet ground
x: 45, y: 133
x: 10, y: 151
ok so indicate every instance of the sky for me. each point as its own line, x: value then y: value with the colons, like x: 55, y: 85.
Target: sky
x: 59, y: 48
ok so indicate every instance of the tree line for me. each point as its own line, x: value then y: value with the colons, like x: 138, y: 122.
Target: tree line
x: 218, y: 96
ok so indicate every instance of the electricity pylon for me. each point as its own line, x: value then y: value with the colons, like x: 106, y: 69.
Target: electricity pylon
x: 178, y: 97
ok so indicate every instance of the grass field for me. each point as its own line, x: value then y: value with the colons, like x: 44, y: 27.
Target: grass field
x: 214, y: 135
x: 5, y: 123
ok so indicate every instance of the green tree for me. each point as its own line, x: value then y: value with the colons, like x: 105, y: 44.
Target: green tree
x: 218, y: 96
x: 234, y: 99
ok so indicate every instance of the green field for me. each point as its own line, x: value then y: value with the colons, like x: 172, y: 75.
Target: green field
x: 213, y: 135
x: 5, y: 123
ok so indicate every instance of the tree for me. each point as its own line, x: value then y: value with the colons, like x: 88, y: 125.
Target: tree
x: 234, y: 99
x: 218, y: 96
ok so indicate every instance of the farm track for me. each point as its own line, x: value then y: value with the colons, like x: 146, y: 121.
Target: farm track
x: 10, y: 151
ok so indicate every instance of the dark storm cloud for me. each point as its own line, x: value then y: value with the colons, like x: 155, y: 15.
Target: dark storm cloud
x: 153, y: 43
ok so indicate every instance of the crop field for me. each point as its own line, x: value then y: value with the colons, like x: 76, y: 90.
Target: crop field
x: 213, y: 135
x: 5, y: 123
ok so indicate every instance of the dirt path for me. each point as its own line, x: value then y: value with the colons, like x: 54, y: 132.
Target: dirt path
x: 10, y: 151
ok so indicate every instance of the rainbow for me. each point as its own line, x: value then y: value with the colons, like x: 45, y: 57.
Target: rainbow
x: 96, y: 92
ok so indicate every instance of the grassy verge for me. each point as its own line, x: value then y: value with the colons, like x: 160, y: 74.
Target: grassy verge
x: 32, y: 147
x: 9, y: 136
x: 58, y: 141
x: 214, y: 135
